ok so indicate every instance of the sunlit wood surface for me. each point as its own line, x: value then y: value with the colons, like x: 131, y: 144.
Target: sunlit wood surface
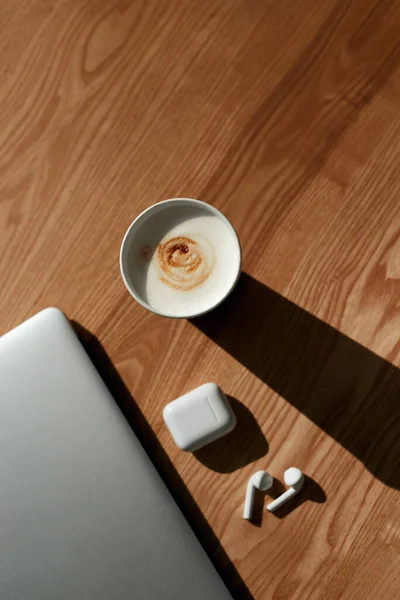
x: 286, y: 116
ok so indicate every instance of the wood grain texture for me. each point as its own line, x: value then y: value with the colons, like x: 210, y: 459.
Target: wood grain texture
x: 286, y: 116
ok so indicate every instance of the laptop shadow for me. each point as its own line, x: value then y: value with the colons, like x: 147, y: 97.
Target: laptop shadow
x: 163, y: 464
x: 344, y: 388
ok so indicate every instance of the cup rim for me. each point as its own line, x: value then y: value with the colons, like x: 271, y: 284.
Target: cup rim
x: 125, y: 246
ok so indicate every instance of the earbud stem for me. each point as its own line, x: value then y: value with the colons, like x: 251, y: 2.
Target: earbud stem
x: 249, y: 501
x: 275, y: 504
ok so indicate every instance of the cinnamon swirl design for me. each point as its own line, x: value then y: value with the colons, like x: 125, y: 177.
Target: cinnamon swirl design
x: 185, y: 262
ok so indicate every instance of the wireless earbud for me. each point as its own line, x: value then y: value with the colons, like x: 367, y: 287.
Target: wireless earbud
x: 294, y: 478
x: 261, y: 481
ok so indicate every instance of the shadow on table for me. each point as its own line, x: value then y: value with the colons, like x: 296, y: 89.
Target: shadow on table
x: 244, y: 445
x: 172, y: 479
x: 344, y: 388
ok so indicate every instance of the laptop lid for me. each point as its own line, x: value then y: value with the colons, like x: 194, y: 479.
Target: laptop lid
x: 84, y: 515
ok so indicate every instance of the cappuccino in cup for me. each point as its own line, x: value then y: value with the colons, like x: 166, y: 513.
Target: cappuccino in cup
x: 180, y: 258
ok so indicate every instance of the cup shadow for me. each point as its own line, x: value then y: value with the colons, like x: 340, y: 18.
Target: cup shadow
x: 244, y: 445
x: 344, y: 388
x: 163, y: 464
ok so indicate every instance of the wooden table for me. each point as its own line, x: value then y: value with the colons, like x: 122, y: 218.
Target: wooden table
x: 286, y: 116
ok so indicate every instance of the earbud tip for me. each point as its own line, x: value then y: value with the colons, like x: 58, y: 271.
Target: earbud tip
x: 293, y: 476
x: 266, y: 481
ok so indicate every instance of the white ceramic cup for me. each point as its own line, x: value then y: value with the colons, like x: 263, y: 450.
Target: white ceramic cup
x: 134, y: 238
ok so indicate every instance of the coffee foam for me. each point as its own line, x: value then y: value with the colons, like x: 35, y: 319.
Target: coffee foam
x: 184, y: 261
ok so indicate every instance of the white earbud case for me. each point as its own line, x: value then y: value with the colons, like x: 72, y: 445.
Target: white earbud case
x: 199, y: 417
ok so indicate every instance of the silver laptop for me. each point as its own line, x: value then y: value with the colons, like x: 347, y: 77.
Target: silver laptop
x: 83, y: 513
